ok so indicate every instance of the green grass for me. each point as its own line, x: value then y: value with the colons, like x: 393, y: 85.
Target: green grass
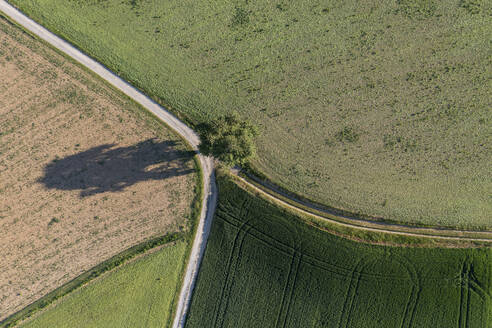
x: 140, y: 294
x: 176, y: 254
x: 378, y: 108
x: 264, y: 267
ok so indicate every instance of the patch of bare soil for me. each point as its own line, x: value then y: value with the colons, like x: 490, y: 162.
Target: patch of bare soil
x: 84, y: 173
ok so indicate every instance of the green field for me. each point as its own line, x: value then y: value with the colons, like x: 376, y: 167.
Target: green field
x: 377, y: 107
x: 263, y: 267
x: 140, y: 294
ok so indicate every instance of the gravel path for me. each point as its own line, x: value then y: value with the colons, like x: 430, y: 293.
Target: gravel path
x: 209, y: 188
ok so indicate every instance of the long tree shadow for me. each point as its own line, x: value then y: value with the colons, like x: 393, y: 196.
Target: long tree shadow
x: 108, y: 169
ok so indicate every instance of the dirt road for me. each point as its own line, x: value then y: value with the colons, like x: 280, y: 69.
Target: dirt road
x: 397, y: 229
x: 209, y: 187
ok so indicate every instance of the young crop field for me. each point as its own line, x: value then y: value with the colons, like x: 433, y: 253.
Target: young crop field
x: 84, y: 172
x: 265, y: 267
x: 375, y: 107
x: 139, y: 294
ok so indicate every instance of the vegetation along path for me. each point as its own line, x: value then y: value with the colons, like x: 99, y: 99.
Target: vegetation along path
x: 209, y: 189
x: 210, y: 193
x: 373, y: 107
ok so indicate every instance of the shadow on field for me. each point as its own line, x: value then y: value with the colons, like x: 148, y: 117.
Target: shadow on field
x: 108, y: 169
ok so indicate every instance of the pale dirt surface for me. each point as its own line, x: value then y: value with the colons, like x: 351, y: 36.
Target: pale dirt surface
x: 209, y: 192
x: 83, y: 175
x: 209, y: 188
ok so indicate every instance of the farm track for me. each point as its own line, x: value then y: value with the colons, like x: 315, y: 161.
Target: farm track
x: 209, y: 195
x: 209, y: 199
x: 367, y: 225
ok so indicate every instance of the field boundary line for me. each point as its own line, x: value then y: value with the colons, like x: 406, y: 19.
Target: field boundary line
x: 209, y: 195
x: 356, y: 224
x: 114, y: 262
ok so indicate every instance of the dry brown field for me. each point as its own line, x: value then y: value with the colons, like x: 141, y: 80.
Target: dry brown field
x: 84, y: 172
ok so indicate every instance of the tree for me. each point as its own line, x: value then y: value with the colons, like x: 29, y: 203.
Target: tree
x: 228, y: 139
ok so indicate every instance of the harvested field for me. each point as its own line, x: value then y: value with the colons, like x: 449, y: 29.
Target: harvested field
x: 265, y: 267
x: 375, y: 107
x: 84, y: 172
x: 138, y: 294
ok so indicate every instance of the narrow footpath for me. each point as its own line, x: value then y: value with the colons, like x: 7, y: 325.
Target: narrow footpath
x: 209, y: 199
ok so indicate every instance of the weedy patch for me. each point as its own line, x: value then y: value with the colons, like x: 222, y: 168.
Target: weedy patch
x: 347, y: 134
x: 417, y: 9
x: 241, y: 17
x: 476, y: 6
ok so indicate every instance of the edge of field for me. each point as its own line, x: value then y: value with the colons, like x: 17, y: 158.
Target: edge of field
x: 116, y: 261
x: 103, y: 275
x: 195, y: 217
x: 119, y: 260
x: 237, y: 221
x: 180, y: 115
x: 125, y: 255
x: 354, y: 234
x: 264, y: 182
x: 359, y: 233
x: 302, y: 201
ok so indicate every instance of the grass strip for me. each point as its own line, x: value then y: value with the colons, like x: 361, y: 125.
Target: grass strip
x: 262, y: 182
x: 139, y: 293
x: 266, y: 266
x: 355, y: 234
x: 85, y: 277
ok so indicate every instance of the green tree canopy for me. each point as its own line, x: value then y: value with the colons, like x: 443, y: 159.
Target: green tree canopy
x: 229, y: 139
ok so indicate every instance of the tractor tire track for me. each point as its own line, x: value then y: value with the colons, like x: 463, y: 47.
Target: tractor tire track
x: 411, y: 307
x: 352, y: 288
x: 231, y: 265
x: 464, y: 296
x: 297, y: 264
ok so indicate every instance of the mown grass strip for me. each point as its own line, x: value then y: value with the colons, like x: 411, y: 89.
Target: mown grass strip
x: 84, y: 278
x: 284, y: 272
x: 357, y: 219
x: 139, y: 293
